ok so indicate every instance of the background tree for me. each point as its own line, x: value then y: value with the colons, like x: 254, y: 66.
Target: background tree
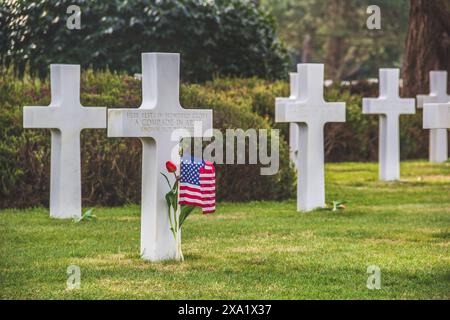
x: 427, y: 44
x: 339, y: 35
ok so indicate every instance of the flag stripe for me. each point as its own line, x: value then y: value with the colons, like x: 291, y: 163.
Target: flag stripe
x: 196, y: 197
x: 196, y: 201
x: 190, y: 193
x: 189, y: 186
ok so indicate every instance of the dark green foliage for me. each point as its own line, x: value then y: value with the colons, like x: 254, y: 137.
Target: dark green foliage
x: 225, y: 37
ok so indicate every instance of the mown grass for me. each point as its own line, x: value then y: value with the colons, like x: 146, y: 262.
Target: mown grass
x: 255, y: 250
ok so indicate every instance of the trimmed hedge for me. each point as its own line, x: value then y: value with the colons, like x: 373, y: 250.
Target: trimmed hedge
x: 111, y: 168
x: 354, y: 140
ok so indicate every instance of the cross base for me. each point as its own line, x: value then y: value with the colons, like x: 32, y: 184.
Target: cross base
x: 311, y: 177
x: 157, y: 241
x: 389, y: 148
x: 438, y: 145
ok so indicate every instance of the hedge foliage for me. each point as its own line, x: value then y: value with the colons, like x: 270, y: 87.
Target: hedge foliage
x: 354, y: 140
x: 222, y: 37
x: 111, y: 168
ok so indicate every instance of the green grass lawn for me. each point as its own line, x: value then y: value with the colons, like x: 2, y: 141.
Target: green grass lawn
x: 254, y: 250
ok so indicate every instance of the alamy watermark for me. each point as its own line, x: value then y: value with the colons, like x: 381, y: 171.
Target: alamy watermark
x: 74, y: 279
x: 74, y: 20
x: 374, y: 279
x: 251, y: 146
x: 374, y: 20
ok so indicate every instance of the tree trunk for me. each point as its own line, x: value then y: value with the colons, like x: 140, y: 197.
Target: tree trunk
x: 336, y: 42
x: 306, y: 55
x: 427, y: 44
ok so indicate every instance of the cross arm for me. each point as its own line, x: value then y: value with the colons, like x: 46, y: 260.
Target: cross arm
x: 423, y: 98
x: 205, y: 116
x: 438, y: 89
x: 93, y: 118
x: 387, y: 106
x: 432, y: 98
x: 436, y: 116
x: 41, y: 117
x: 297, y: 111
x: 117, y: 123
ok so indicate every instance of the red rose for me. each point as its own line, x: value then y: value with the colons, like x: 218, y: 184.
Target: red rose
x: 171, y: 167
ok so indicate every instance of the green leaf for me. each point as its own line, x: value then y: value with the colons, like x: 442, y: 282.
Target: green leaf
x: 338, y: 205
x: 167, y: 179
x: 185, y: 212
x: 335, y: 205
x: 87, y: 216
x: 170, y: 199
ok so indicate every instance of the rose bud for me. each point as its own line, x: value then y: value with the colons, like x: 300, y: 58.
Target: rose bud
x: 171, y: 167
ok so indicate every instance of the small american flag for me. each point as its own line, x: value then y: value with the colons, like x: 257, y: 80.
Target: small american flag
x: 198, y: 184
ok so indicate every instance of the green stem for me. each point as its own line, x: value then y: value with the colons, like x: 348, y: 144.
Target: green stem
x: 170, y: 221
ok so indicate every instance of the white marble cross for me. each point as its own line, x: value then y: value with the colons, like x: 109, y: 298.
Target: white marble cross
x: 66, y: 117
x: 157, y: 122
x: 389, y: 106
x: 310, y: 113
x: 436, y: 116
x: 293, y: 127
x: 438, y: 136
